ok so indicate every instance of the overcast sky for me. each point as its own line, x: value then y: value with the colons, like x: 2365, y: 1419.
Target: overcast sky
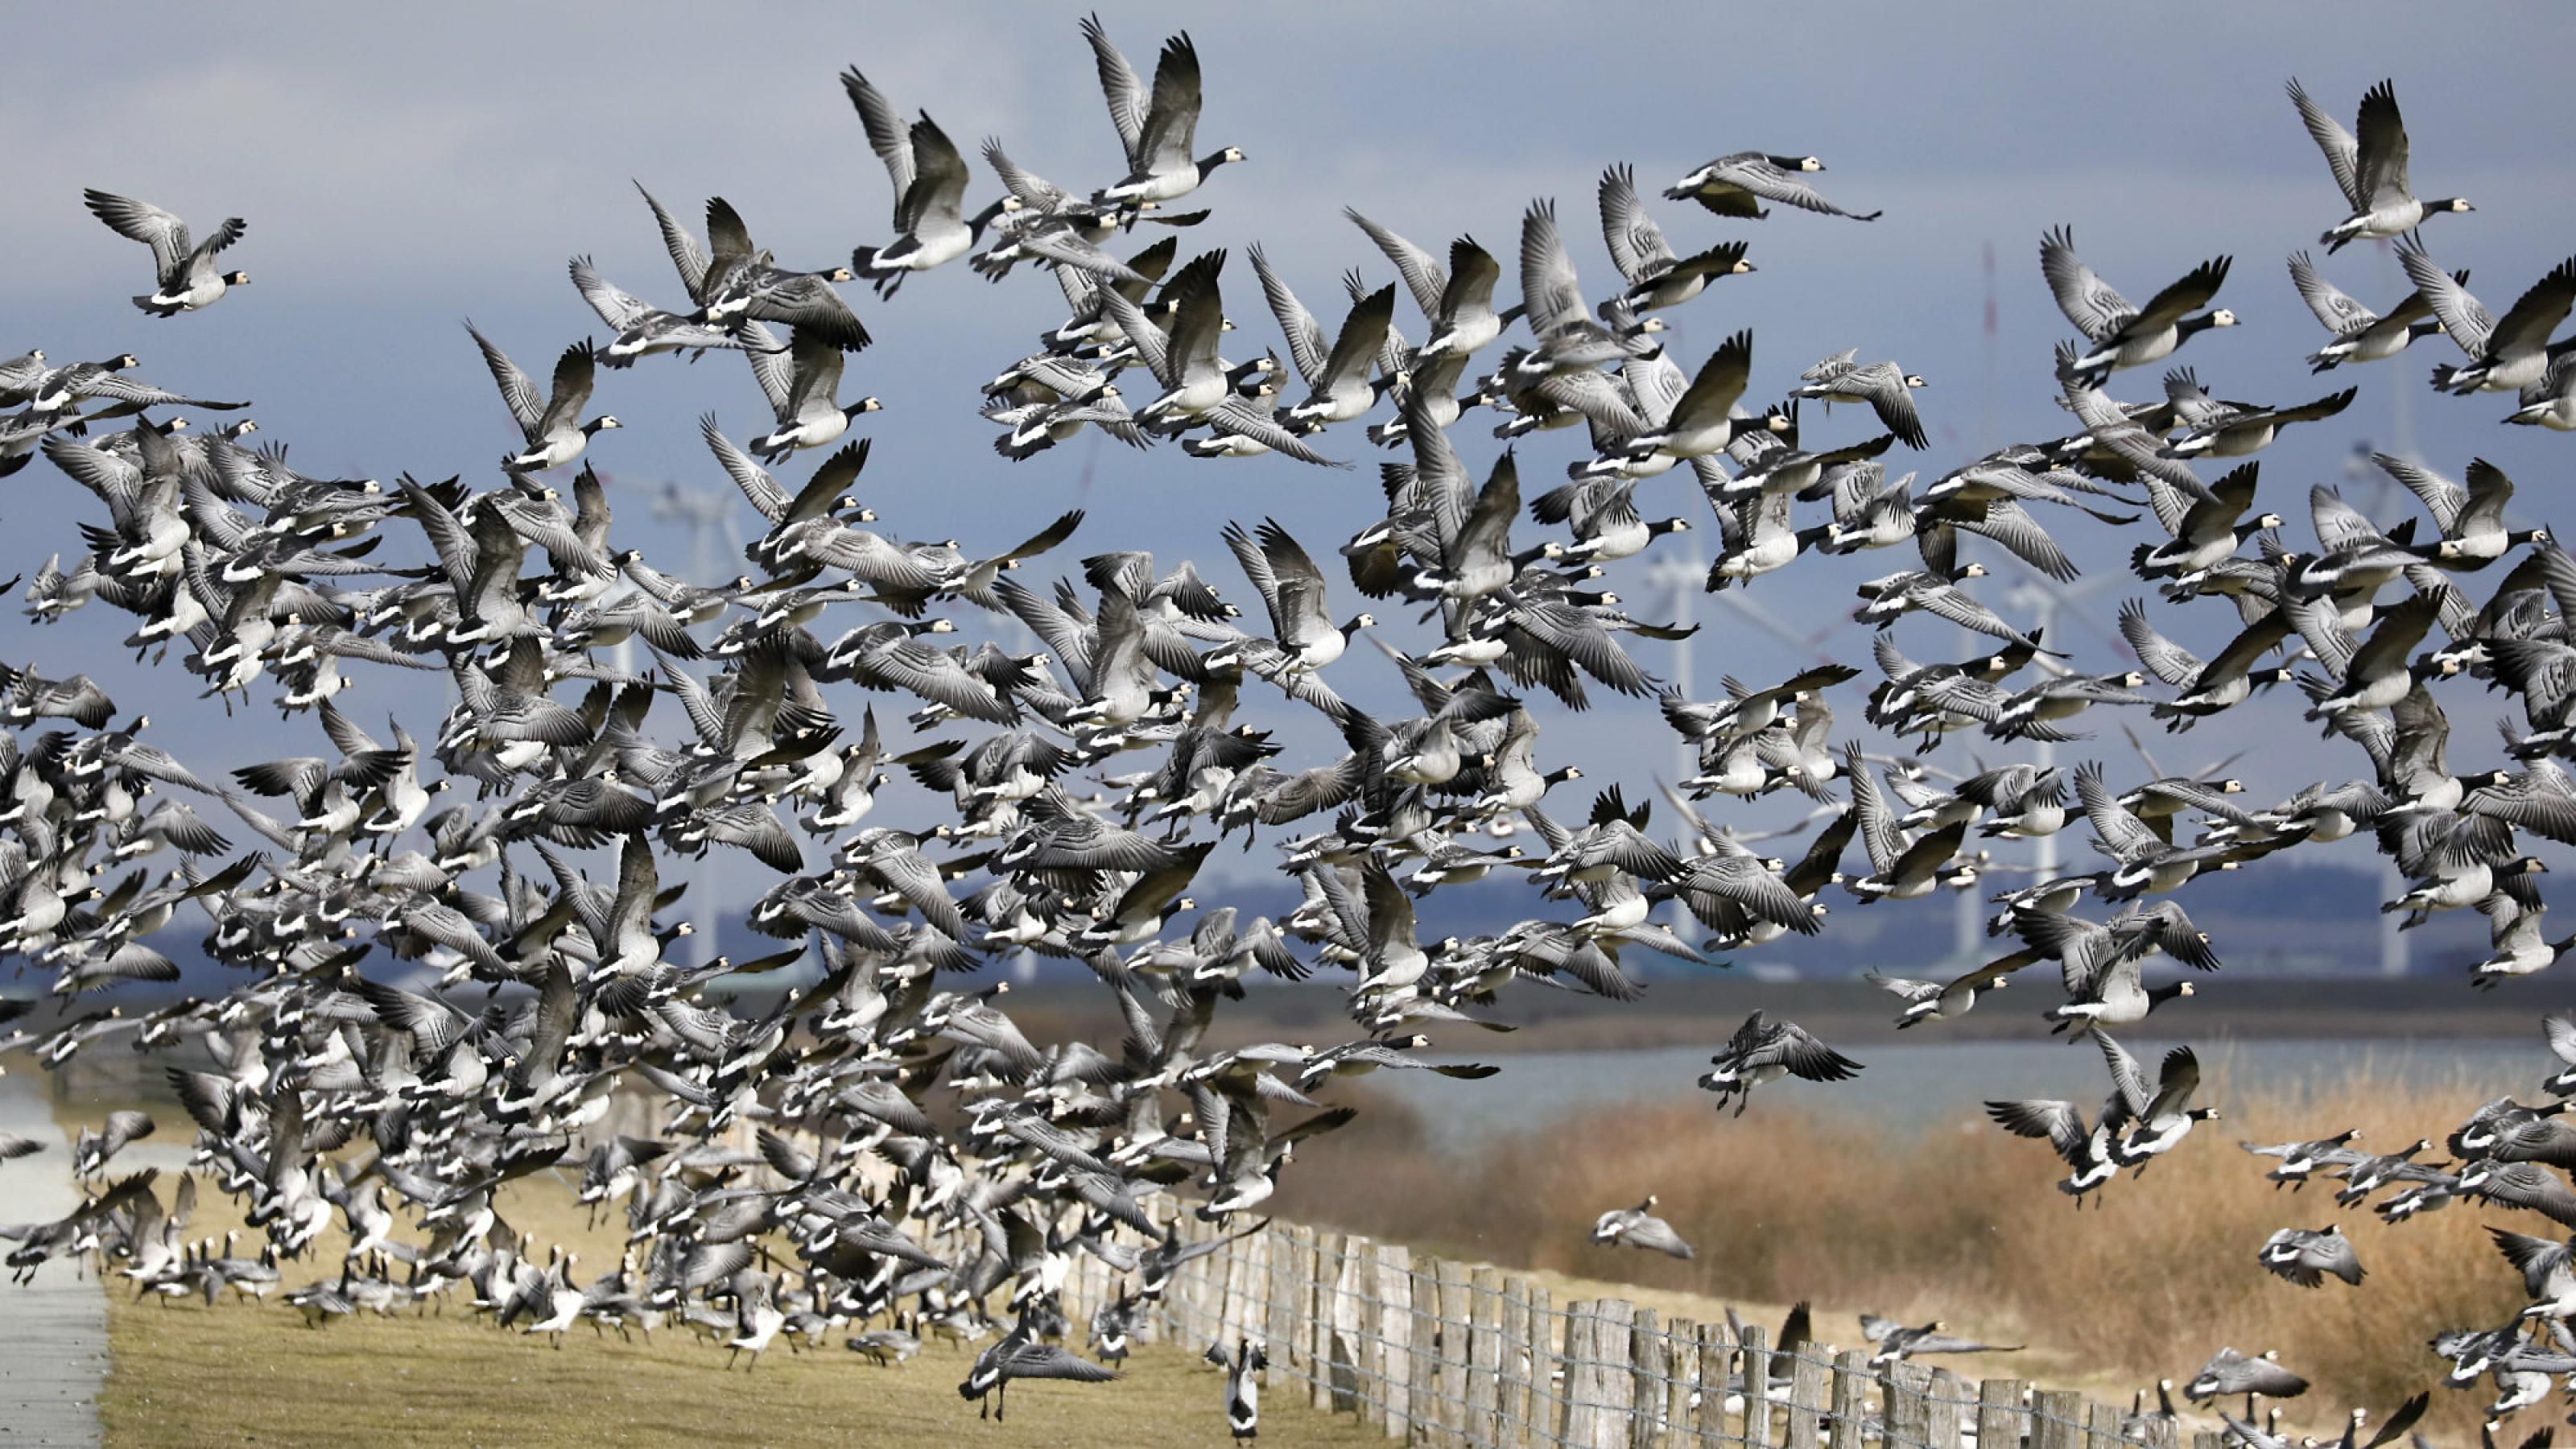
x: 401, y: 175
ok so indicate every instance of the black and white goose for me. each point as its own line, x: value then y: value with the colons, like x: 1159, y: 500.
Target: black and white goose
x: 1458, y: 303
x: 1019, y: 1354
x: 2122, y: 334
x: 184, y: 278
x: 2219, y: 429
x: 1656, y: 277
x: 552, y: 426
x: 1292, y: 590
x: 1946, y: 1000
x: 644, y: 330
x: 2307, y: 1256
x: 2162, y: 1119
x: 803, y: 387
x: 2300, y: 1160
x: 1242, y: 1389
x: 930, y: 221
x: 2091, y: 1150
x: 1336, y: 369
x: 2361, y: 335
x: 1736, y: 185
x: 1764, y: 1051
x: 1157, y: 130
x: 2471, y: 517
x: 1887, y: 388
x: 2508, y: 353
x: 2370, y: 170
x: 1638, y: 1227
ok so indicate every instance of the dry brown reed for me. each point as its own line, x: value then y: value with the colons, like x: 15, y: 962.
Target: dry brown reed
x: 1959, y: 1221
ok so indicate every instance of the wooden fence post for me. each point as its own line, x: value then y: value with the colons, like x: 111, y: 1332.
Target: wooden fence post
x: 1457, y: 1347
x: 1852, y: 1379
x: 1946, y: 1410
x: 1579, y: 1402
x: 1811, y: 1386
x: 1545, y: 1391
x: 1512, y: 1358
x: 2056, y: 1419
x: 1753, y: 1358
x: 1423, y: 1382
x: 1715, y: 1354
x: 1612, y: 1338
x: 1483, y: 1419
x: 1344, y: 1352
x: 1394, y: 1356
x: 1649, y: 1361
x: 1999, y: 1414
x: 2103, y: 1429
x: 1289, y: 1303
x: 1908, y: 1416
x: 1681, y: 1370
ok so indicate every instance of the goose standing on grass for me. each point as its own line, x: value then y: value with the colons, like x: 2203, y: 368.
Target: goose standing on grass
x: 552, y: 426
x: 2306, y: 1256
x: 2123, y: 335
x: 1242, y: 1390
x: 2370, y: 170
x: 1765, y: 1051
x: 930, y: 221
x: 1156, y: 130
x: 1736, y: 185
x: 2361, y: 335
x: 1638, y: 1227
x: 184, y: 278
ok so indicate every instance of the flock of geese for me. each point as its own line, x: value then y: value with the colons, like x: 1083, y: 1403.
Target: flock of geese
x: 892, y: 1104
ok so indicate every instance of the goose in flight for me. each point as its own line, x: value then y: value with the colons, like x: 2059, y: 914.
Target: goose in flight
x: 184, y: 278
x: 551, y: 425
x: 1765, y: 1051
x: 1736, y: 185
x: 1157, y: 130
x: 930, y: 221
x: 2121, y: 333
x: 2370, y: 169
x: 1638, y: 1227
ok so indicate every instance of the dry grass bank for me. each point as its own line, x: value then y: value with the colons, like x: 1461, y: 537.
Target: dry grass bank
x: 1964, y: 1223
x: 182, y: 1374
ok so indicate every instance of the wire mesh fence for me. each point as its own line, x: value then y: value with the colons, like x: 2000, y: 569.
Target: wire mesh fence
x: 1451, y: 1354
